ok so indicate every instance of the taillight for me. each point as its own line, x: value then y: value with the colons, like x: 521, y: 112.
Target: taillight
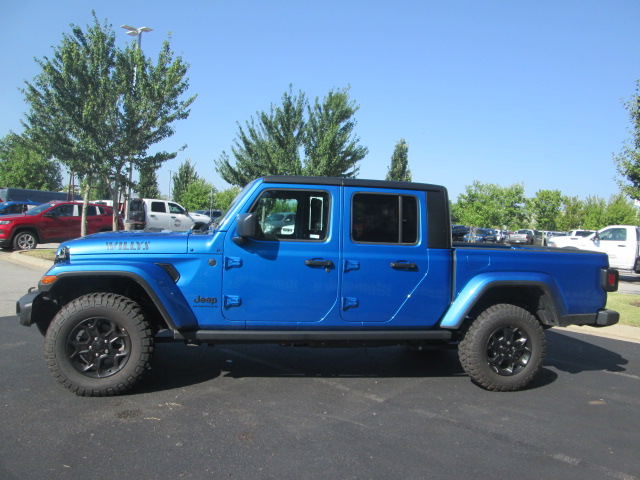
x: 609, y: 279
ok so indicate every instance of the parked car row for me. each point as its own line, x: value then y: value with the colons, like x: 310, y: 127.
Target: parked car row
x: 24, y: 223
x: 463, y: 233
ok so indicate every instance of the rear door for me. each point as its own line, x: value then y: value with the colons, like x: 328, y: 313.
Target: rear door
x: 157, y: 215
x: 285, y: 277
x: 96, y: 219
x: 387, y: 277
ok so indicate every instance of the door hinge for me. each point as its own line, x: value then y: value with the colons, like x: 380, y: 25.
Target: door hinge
x: 349, y: 302
x: 350, y: 265
x: 232, y: 301
x: 232, y: 262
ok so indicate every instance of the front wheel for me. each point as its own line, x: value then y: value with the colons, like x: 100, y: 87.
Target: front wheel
x: 99, y: 344
x: 503, y: 349
x: 25, y: 241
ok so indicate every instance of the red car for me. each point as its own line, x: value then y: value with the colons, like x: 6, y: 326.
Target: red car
x: 52, y: 222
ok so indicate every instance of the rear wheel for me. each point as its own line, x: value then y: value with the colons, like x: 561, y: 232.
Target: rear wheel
x: 25, y: 241
x: 99, y: 344
x: 503, y: 349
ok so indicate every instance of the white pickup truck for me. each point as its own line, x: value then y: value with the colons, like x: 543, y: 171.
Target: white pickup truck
x: 158, y: 215
x: 620, y: 242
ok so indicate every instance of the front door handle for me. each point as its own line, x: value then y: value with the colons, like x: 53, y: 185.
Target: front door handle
x: 403, y: 266
x: 327, y: 264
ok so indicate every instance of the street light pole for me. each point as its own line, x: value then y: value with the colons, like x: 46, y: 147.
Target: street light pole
x: 137, y: 32
x: 134, y: 32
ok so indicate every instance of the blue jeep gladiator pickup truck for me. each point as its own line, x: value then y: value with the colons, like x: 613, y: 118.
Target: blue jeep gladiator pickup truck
x: 312, y: 261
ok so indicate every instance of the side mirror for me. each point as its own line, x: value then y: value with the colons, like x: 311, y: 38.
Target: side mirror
x: 246, y: 227
x: 595, y: 237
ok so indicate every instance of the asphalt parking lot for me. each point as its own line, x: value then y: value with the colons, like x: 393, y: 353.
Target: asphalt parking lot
x: 281, y: 412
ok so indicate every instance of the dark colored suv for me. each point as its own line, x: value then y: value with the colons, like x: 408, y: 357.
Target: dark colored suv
x: 51, y: 223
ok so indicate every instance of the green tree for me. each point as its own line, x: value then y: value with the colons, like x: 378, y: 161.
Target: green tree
x: 181, y: 180
x: 399, y: 169
x: 98, y: 109
x: 330, y: 145
x: 628, y: 160
x: 198, y: 195
x: 23, y: 166
x: 489, y: 205
x: 571, y: 214
x: 273, y: 143
x: 621, y: 211
x: 148, y: 183
x: 545, y: 208
x: 222, y: 200
x: 594, y: 213
x: 269, y: 145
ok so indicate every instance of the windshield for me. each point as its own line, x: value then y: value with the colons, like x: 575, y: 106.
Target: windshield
x: 39, y: 209
x: 221, y: 220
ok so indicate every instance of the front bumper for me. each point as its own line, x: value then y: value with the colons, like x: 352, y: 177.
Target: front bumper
x: 24, y: 307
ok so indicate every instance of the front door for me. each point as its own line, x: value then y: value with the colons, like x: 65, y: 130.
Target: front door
x: 619, y: 245
x: 61, y: 223
x: 287, y: 274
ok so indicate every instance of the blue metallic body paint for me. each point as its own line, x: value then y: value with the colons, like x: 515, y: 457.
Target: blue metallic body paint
x: 266, y: 285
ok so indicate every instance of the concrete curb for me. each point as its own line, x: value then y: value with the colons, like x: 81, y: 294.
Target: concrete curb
x: 19, y: 258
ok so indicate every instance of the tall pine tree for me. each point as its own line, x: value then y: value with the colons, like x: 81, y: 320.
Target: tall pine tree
x: 399, y: 169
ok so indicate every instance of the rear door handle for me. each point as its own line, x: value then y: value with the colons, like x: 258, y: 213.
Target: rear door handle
x: 403, y: 266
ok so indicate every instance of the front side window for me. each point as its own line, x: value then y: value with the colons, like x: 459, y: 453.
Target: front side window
x: 64, y: 211
x: 380, y: 218
x: 614, y: 235
x: 293, y: 215
x: 175, y: 208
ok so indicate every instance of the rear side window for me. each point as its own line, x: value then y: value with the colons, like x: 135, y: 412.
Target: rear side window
x: 158, y: 207
x: 91, y: 211
x: 380, y: 218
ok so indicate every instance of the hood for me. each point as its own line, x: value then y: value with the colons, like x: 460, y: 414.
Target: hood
x: 122, y: 243
x: 199, y: 216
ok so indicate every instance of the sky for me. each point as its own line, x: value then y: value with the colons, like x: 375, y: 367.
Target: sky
x: 496, y: 91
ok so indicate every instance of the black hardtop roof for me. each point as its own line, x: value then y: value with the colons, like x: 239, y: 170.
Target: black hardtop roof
x: 352, y: 182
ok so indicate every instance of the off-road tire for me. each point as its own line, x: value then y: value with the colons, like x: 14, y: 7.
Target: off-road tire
x: 25, y: 240
x: 503, y: 348
x: 99, y: 345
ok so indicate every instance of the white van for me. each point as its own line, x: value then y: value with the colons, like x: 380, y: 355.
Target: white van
x: 157, y: 215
